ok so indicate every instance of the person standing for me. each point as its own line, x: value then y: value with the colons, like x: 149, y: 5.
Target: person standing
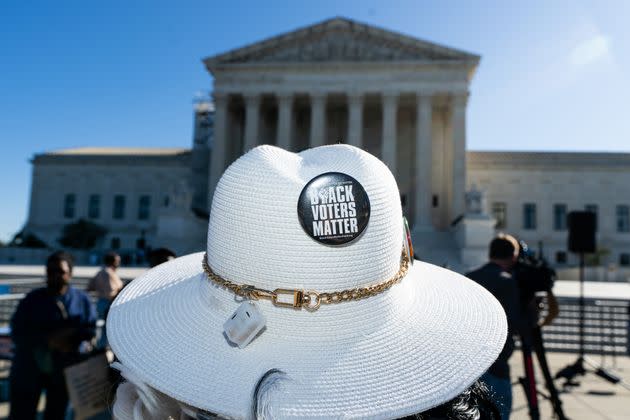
x: 496, y: 277
x: 107, y: 284
x: 47, y: 328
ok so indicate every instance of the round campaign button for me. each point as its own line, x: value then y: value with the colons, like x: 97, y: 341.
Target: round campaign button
x: 333, y: 208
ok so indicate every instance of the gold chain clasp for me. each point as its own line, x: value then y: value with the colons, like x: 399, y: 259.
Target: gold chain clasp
x: 298, y: 298
x: 307, y: 299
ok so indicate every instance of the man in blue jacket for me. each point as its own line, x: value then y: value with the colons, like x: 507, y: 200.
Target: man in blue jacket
x: 47, y: 329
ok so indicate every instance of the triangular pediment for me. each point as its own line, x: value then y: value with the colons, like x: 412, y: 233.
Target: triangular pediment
x: 340, y: 40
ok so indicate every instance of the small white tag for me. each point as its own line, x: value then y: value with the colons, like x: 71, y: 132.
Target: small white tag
x: 244, y: 324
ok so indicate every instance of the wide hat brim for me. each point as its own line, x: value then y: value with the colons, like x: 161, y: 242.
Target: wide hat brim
x: 413, y: 347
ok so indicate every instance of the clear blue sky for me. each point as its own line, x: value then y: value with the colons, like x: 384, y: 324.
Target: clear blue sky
x: 554, y: 75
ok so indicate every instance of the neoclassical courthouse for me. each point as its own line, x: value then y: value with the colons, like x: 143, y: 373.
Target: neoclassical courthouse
x: 400, y: 98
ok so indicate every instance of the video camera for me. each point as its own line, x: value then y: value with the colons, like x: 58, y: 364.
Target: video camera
x: 533, y: 274
x: 533, y: 270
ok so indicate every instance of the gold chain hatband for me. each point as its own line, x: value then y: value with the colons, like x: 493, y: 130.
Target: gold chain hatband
x: 307, y: 299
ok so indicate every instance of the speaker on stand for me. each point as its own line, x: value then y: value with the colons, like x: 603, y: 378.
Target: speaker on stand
x: 582, y: 232
x: 582, y: 240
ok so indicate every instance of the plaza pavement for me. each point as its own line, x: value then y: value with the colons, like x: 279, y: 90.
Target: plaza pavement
x: 593, y: 399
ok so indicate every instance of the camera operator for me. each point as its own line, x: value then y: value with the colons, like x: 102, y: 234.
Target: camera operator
x: 534, y: 275
x: 496, y: 276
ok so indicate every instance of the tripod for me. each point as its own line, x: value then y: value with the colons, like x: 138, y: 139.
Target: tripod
x: 529, y: 381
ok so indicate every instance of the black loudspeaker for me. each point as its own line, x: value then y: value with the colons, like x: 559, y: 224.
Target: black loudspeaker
x: 582, y: 231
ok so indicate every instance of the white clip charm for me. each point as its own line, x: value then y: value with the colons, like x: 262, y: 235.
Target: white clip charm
x: 244, y: 324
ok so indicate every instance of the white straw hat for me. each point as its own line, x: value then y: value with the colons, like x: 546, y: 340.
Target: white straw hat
x: 400, y: 351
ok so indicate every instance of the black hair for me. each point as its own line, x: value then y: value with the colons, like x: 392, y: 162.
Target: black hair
x: 56, y: 257
x: 501, y: 248
x: 475, y: 403
x: 110, y: 258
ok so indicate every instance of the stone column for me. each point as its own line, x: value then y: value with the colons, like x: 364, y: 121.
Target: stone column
x: 424, y: 153
x: 252, y: 117
x: 458, y: 121
x: 318, y: 119
x: 219, y: 140
x: 389, y: 141
x: 285, y: 102
x: 355, y: 119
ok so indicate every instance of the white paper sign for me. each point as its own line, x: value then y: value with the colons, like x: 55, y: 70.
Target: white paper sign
x: 88, y: 386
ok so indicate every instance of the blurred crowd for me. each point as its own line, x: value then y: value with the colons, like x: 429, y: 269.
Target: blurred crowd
x: 55, y: 326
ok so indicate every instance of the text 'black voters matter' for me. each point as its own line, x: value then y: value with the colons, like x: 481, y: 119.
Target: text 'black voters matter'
x: 333, y: 208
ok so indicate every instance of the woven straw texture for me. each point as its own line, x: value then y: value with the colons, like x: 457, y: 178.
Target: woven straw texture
x: 255, y: 237
x: 415, y: 346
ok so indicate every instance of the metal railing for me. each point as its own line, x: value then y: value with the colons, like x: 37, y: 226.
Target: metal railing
x: 606, y: 322
x: 605, y: 327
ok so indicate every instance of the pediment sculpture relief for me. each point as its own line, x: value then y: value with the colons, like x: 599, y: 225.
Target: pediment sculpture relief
x: 339, y: 46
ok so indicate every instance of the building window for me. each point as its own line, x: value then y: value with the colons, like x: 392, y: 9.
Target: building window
x: 115, y: 244
x: 119, y: 207
x: 559, y: 217
x: 167, y: 201
x: 499, y: 212
x: 593, y: 209
x: 561, y: 257
x: 529, y: 216
x: 624, y: 259
x: 143, y: 207
x: 69, y: 202
x: 623, y: 218
x: 94, y: 206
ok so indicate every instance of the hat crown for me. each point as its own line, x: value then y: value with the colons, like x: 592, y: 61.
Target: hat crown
x: 255, y: 236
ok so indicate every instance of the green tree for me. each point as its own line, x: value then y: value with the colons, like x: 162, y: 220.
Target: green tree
x: 82, y: 234
x: 27, y: 240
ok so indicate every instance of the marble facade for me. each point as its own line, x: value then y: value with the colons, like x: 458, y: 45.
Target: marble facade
x: 402, y: 99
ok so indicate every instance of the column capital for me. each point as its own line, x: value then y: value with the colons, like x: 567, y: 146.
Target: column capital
x: 427, y: 91
x: 285, y: 97
x: 390, y: 98
x: 252, y: 97
x: 460, y: 99
x: 423, y: 95
x: 318, y: 96
x: 355, y: 96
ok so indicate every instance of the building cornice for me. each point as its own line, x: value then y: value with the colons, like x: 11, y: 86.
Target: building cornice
x: 130, y: 157
x: 549, y: 161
